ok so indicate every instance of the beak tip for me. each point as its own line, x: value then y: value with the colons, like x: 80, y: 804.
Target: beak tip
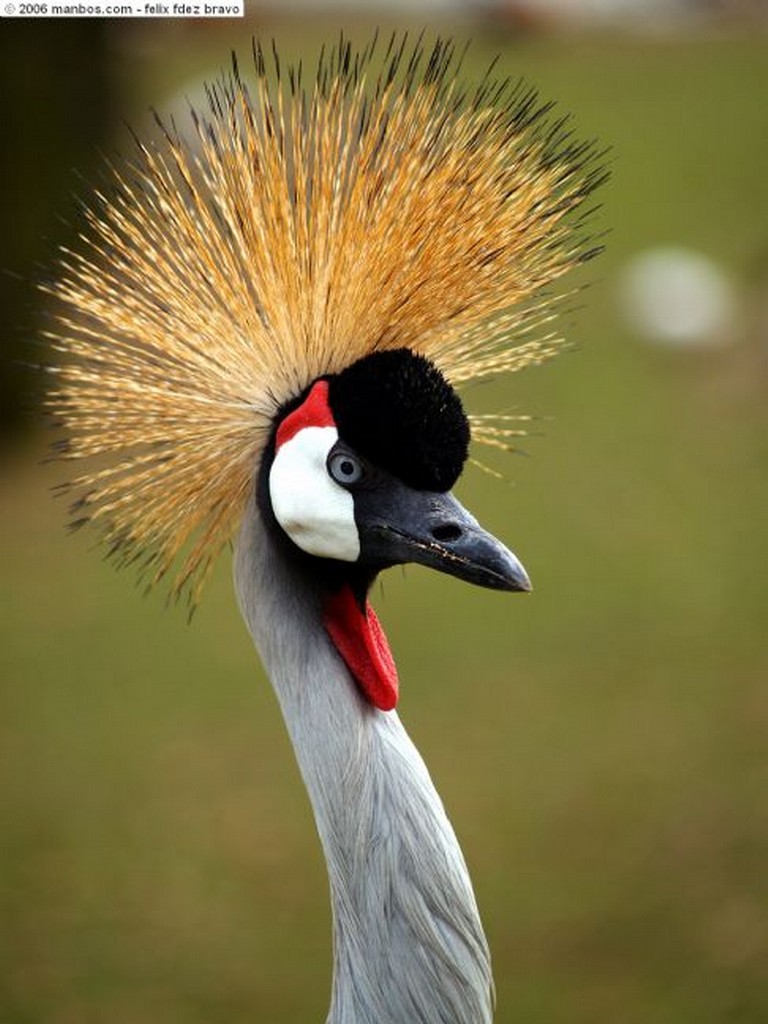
x: 517, y: 578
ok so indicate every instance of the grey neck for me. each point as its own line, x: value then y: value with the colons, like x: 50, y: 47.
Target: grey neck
x: 408, y: 944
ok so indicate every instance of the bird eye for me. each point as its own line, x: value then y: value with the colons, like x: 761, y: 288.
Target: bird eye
x: 345, y: 468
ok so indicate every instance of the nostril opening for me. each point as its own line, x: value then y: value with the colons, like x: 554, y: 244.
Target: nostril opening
x: 447, y: 533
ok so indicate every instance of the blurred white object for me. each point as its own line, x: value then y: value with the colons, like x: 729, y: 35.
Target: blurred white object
x: 678, y: 297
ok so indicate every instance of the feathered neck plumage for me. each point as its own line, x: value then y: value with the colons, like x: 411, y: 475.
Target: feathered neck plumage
x: 408, y: 941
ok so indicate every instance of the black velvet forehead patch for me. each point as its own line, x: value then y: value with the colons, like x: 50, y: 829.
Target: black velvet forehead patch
x: 396, y: 409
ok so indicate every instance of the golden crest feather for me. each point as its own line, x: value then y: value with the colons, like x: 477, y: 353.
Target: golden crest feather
x: 383, y: 206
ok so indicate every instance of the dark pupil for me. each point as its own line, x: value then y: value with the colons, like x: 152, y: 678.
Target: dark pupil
x: 347, y: 468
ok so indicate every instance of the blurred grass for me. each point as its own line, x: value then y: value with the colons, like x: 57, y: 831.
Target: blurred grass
x: 601, y: 746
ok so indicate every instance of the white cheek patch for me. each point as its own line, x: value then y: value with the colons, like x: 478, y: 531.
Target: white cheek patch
x: 316, y: 513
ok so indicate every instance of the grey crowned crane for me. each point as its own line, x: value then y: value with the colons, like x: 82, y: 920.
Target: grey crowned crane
x: 261, y: 338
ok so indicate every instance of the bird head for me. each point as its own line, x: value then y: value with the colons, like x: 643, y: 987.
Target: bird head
x: 294, y: 295
x: 357, y: 477
x: 361, y: 469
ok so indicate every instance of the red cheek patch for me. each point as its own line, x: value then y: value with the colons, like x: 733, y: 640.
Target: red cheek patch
x: 360, y: 640
x: 314, y: 411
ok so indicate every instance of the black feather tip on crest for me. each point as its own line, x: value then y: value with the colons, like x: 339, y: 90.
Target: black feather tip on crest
x: 396, y: 409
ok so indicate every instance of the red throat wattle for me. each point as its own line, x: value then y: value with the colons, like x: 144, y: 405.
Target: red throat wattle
x: 360, y: 640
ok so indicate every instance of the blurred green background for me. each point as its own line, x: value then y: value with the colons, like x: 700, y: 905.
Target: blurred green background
x: 602, y: 746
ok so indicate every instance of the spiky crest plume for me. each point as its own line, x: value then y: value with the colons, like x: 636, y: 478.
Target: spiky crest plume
x: 381, y: 207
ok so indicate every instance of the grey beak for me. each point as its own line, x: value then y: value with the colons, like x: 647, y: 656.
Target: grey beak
x: 406, y: 525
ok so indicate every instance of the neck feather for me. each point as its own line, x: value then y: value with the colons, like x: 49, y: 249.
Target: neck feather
x: 408, y: 943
